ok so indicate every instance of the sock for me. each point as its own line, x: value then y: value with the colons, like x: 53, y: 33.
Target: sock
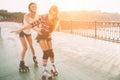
x: 44, y: 66
x: 53, y: 66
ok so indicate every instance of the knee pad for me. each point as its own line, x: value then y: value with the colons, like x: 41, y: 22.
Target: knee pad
x: 45, y: 54
x: 51, y: 53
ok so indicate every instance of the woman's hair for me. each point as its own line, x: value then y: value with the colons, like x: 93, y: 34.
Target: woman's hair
x: 30, y: 5
x: 53, y: 16
x: 55, y: 9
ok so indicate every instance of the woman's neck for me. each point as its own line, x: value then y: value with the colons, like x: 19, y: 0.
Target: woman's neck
x: 32, y: 15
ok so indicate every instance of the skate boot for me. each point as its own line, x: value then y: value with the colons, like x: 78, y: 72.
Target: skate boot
x: 35, y: 61
x: 54, y: 71
x: 23, y: 67
x: 46, y: 75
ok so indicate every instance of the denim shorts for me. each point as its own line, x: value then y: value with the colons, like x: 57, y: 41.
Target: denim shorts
x: 22, y: 34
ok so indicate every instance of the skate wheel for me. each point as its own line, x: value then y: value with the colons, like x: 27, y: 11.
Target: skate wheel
x: 43, y: 77
x: 27, y: 70
x: 50, y: 78
x: 20, y: 70
x: 24, y: 70
x: 54, y: 73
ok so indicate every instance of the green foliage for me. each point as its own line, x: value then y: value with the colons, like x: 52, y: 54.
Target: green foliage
x: 11, y: 16
x: 67, y: 15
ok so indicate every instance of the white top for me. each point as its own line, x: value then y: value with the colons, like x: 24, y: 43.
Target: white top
x: 27, y: 31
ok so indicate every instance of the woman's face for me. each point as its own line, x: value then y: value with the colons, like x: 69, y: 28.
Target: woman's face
x: 33, y: 8
x: 53, y: 14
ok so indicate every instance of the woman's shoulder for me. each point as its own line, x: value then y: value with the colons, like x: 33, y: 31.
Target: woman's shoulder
x: 27, y: 15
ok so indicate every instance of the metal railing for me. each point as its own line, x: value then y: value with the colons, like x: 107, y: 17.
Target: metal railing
x: 109, y: 31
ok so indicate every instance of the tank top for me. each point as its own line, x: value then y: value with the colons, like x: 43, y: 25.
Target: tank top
x: 25, y: 23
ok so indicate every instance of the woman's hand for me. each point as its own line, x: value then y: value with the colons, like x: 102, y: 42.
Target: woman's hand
x: 38, y: 31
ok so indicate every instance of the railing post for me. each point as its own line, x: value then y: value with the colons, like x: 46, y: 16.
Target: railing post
x: 95, y: 29
x: 71, y: 27
x: 119, y: 33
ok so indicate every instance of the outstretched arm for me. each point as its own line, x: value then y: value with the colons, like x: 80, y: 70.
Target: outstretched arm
x: 37, y: 29
x: 18, y: 31
x: 31, y: 25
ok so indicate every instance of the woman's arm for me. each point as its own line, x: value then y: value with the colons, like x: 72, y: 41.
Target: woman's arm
x: 31, y: 25
x: 57, y: 26
x: 37, y: 29
x: 26, y: 27
x: 21, y: 29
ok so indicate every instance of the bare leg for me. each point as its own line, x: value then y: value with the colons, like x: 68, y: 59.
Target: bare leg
x: 54, y: 70
x: 24, y: 45
x: 22, y: 66
x: 29, y: 39
x: 44, y: 47
x: 50, y: 48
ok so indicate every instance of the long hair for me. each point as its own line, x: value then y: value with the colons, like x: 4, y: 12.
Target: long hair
x: 53, y: 15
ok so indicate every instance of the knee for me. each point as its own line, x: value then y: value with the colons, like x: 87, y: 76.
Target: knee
x: 24, y: 48
x: 31, y: 46
x: 45, y: 54
x: 48, y: 53
x: 51, y: 53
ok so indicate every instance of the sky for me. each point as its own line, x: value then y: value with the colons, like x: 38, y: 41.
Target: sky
x: 63, y: 5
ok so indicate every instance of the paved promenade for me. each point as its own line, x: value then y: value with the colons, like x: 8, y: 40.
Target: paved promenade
x: 77, y: 58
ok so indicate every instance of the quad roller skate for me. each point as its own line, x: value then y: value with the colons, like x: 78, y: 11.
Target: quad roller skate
x: 23, y: 67
x: 54, y: 71
x: 46, y: 75
x: 35, y: 61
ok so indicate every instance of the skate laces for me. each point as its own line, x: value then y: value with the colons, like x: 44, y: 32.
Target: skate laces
x: 54, y: 68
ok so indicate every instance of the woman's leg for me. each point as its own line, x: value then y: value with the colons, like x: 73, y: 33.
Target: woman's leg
x: 22, y: 66
x: 29, y: 39
x: 54, y: 70
x: 49, y: 42
x: 44, y: 47
x: 24, y: 46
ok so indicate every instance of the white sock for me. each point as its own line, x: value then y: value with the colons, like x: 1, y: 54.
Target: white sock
x: 44, y: 66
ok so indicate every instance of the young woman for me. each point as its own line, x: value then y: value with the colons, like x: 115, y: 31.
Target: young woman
x: 48, y: 23
x: 25, y: 35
